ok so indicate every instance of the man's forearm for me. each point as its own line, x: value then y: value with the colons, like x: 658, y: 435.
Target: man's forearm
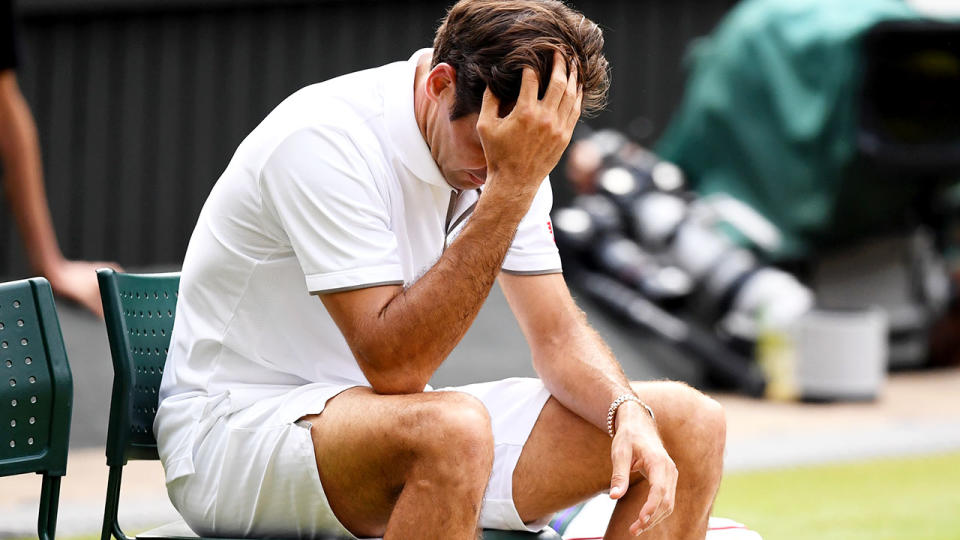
x: 419, y: 327
x: 581, y: 372
x: 570, y: 357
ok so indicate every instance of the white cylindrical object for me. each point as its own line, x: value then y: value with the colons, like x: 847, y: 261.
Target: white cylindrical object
x: 841, y: 354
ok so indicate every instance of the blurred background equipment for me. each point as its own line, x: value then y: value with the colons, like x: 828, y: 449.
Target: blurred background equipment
x: 647, y: 249
x: 837, y: 122
x: 667, y: 261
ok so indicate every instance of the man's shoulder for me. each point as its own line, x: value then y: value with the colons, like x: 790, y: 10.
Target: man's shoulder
x: 346, y: 99
x: 343, y: 111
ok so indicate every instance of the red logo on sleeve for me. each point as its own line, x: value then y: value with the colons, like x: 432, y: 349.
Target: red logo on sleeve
x: 550, y: 230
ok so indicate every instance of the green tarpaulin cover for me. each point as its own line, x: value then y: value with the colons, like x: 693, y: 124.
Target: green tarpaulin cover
x: 770, y: 112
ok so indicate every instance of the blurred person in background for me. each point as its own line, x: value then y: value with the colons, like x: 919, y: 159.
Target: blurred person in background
x: 396, y: 196
x: 23, y: 182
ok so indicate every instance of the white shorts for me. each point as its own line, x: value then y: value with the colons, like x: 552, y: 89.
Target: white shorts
x: 257, y: 478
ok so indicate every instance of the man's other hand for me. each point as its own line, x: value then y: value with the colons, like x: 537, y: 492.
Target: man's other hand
x: 637, y: 447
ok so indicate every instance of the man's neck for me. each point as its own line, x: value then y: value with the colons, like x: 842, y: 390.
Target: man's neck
x: 424, y: 111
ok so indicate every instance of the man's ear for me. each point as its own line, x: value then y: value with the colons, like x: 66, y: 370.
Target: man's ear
x: 441, y: 83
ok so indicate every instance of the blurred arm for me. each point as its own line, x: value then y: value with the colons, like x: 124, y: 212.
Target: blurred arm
x: 27, y: 198
x: 23, y: 178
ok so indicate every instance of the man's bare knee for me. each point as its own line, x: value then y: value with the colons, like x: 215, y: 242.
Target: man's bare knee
x: 709, y: 425
x: 714, y: 422
x: 690, y: 421
x: 454, y: 429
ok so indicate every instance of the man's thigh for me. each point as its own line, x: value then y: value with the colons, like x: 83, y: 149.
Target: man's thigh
x: 362, y: 454
x: 366, y: 445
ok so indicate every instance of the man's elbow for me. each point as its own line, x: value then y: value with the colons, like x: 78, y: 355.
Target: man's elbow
x: 396, y: 383
x: 393, y: 379
x: 549, y: 347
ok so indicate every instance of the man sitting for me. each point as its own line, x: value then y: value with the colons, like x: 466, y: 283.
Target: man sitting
x: 396, y: 196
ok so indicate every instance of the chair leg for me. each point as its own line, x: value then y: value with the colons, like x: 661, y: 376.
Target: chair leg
x: 49, y: 503
x: 111, y: 525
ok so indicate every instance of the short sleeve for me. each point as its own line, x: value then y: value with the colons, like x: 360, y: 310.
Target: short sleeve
x: 534, y: 251
x: 8, y: 36
x: 320, y: 189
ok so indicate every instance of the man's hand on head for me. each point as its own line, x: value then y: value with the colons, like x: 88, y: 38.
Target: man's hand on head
x: 522, y: 147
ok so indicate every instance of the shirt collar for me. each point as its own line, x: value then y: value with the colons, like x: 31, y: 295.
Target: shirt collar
x: 402, y: 124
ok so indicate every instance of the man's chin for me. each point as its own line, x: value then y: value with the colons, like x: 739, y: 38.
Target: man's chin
x: 475, y: 181
x: 465, y: 183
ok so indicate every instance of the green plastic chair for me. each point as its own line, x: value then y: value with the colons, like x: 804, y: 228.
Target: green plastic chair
x: 36, y: 392
x: 138, y: 311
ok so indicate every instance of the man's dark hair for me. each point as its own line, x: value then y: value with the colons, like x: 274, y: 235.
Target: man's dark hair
x: 489, y: 42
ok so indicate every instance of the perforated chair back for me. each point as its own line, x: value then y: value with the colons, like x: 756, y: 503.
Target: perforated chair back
x: 36, y: 392
x: 139, y: 312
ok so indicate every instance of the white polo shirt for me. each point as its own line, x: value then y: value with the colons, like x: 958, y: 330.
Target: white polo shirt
x: 335, y: 190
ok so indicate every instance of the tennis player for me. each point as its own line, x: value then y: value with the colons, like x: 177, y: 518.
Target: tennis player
x: 340, y: 258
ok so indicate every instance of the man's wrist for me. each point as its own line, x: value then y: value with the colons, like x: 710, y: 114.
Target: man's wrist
x: 505, y: 204
x: 626, y: 408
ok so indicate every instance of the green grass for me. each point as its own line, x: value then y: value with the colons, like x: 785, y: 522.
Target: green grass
x: 902, y: 499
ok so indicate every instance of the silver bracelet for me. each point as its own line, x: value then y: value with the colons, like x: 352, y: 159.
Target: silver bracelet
x: 612, y: 412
